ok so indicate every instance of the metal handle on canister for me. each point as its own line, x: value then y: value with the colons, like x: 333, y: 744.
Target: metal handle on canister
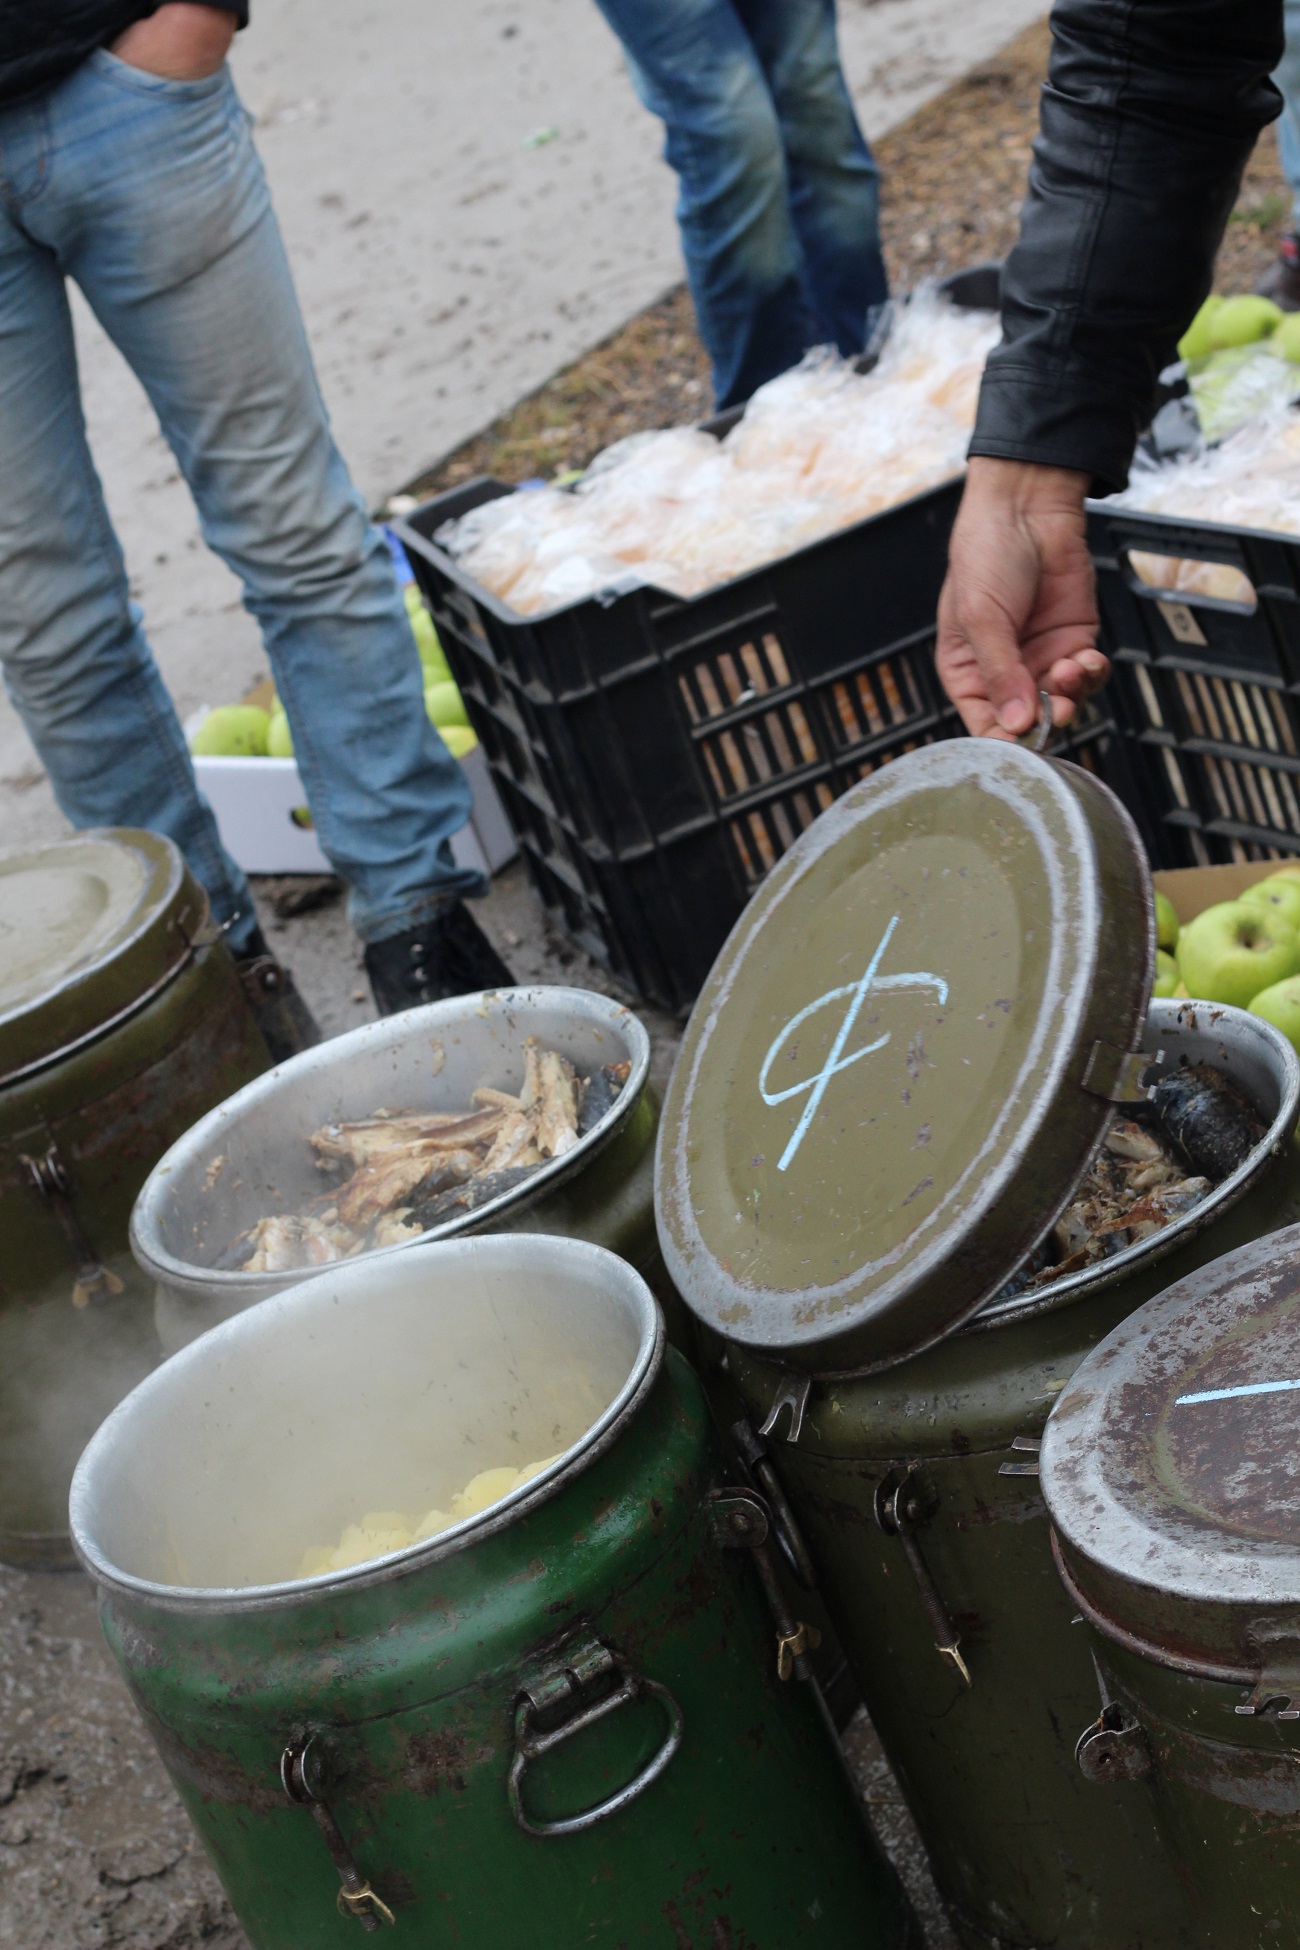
x: 564, y: 1686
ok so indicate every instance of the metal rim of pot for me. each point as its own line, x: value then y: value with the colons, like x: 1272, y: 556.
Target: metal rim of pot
x: 211, y: 1135
x: 162, y: 927
x: 1239, y: 1025
x: 305, y: 1300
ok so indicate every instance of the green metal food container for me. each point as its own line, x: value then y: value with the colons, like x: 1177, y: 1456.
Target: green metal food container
x: 121, y: 1020
x: 890, y: 1087
x: 250, y: 1156
x: 1169, y: 1468
x: 559, y: 1721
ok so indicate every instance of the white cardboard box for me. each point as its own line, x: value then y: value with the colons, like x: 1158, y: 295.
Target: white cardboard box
x: 255, y: 801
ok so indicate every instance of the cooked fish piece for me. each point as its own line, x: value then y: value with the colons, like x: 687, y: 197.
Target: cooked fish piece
x: 393, y: 1228
x: 468, y: 1196
x: 399, y: 1180
x: 1206, y: 1118
x: 1130, y: 1141
x: 289, y: 1241
x: 557, y: 1120
x: 373, y: 1137
x: 489, y: 1098
x: 532, y: 1089
x: 516, y: 1143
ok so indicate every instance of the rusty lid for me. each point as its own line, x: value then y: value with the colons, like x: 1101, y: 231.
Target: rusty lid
x: 897, y: 1070
x: 1172, y: 1474
x: 89, y: 928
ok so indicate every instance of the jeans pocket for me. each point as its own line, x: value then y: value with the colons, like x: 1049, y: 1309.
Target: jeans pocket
x: 140, y: 81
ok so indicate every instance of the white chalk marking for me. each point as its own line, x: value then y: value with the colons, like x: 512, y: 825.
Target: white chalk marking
x: 857, y: 992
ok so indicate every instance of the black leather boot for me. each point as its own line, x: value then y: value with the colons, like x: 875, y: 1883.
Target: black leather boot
x: 448, y: 955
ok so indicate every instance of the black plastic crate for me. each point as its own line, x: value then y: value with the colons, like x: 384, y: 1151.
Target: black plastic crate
x: 1207, y: 691
x: 657, y: 756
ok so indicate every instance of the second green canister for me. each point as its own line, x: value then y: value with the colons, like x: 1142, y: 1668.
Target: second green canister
x: 898, y: 1071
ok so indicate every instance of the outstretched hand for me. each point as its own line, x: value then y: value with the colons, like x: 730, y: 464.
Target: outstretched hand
x: 1018, y: 613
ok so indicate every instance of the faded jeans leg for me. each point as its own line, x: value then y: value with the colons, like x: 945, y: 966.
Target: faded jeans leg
x: 695, y: 67
x: 1287, y: 77
x: 834, y: 183
x: 76, y: 664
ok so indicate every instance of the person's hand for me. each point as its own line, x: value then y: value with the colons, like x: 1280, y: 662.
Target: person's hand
x: 180, y: 42
x: 1018, y: 613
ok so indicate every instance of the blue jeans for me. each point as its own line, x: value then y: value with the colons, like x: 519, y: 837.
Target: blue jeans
x: 779, y: 196
x: 150, y: 195
x: 1287, y: 77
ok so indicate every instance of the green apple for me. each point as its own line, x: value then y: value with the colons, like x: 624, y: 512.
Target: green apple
x: 444, y: 704
x: 279, y: 738
x: 1232, y: 951
x: 1291, y: 870
x: 1242, y: 321
x: 1195, y: 342
x: 1166, y: 974
x: 431, y: 651
x: 458, y: 738
x: 232, y: 731
x: 1166, y: 923
x: 1280, y: 895
x: 1286, y: 339
x: 1280, y: 1005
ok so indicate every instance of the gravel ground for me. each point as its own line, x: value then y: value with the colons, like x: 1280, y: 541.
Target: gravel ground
x: 94, y: 1850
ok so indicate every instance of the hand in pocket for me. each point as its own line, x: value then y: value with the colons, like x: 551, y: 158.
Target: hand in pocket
x: 181, y: 42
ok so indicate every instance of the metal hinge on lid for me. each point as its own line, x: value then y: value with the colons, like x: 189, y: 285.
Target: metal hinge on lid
x: 792, y: 1395
x: 1118, y: 1075
x: 1031, y: 1443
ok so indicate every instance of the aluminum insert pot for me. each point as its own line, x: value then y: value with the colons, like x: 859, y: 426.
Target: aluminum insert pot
x: 917, y: 1491
x: 560, y: 1721
x: 122, y: 1019
x: 250, y: 1156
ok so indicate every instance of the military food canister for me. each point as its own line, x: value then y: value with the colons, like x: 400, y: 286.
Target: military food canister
x: 1169, y: 1469
x: 905, y: 1056
x: 251, y: 1156
x: 556, y: 1720
x: 121, y: 1020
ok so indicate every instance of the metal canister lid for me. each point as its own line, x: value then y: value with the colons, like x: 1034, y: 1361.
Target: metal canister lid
x: 89, y: 928
x: 900, y: 1064
x: 1170, y: 1470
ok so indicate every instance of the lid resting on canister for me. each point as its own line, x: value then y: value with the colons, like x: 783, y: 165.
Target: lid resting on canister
x: 89, y: 927
x: 880, y: 1103
x: 1172, y: 1473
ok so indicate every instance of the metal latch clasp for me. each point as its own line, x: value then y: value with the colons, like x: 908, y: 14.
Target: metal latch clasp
x: 49, y: 1176
x: 899, y: 1508
x: 1113, y: 1748
x: 355, y: 1895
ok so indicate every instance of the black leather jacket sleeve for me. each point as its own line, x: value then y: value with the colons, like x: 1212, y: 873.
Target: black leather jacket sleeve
x: 1149, y: 114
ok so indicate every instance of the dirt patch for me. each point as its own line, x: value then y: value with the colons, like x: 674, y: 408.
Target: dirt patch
x: 954, y: 178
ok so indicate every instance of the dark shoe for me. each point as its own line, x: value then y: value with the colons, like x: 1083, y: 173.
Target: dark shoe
x: 449, y: 955
x: 287, y: 1024
x: 1282, y: 282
